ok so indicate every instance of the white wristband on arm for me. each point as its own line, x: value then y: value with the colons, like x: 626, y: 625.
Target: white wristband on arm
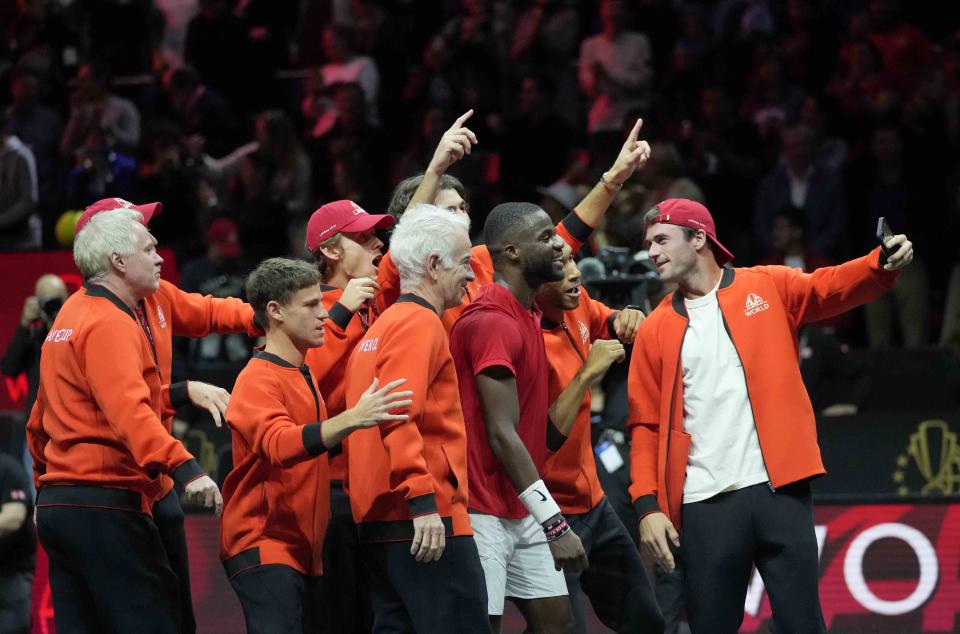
x: 539, y: 502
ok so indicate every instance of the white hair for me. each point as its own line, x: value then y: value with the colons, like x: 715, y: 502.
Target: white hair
x: 106, y: 233
x: 422, y: 231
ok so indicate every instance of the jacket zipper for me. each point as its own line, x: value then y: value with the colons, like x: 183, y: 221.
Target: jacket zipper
x: 305, y: 373
x: 746, y: 387
x: 673, y: 399
x: 573, y: 343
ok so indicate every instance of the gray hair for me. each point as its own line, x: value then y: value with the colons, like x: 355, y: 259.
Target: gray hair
x: 106, y: 233
x: 422, y: 231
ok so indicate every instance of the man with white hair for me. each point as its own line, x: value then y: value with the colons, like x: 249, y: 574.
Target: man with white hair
x: 408, y: 479
x: 98, y: 443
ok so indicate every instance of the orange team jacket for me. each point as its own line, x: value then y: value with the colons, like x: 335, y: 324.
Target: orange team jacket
x: 276, y: 500
x: 762, y: 308
x: 172, y: 312
x: 403, y: 469
x: 96, y: 421
x: 570, y: 472
x: 572, y: 229
x: 328, y: 363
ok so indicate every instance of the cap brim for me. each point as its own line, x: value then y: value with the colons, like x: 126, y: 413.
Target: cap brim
x: 365, y: 222
x: 720, y: 252
x: 149, y: 210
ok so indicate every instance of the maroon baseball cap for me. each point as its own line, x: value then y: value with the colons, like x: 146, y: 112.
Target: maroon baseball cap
x: 223, y: 233
x: 688, y: 213
x: 342, y: 216
x: 149, y: 210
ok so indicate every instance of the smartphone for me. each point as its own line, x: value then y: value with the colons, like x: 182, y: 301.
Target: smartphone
x: 883, y: 234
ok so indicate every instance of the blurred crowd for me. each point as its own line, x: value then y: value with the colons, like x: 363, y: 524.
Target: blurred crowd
x: 798, y: 122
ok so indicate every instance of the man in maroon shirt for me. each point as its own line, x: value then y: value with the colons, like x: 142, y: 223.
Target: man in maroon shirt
x: 502, y: 368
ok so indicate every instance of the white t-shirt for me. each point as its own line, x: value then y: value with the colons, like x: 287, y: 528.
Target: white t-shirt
x: 725, y: 451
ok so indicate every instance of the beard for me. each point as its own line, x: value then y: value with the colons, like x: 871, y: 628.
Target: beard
x: 540, y: 269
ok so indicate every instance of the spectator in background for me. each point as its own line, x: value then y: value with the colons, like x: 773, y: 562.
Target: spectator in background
x: 345, y: 65
x: 691, y: 54
x: 217, y: 47
x: 221, y: 272
x: 167, y: 177
x: 351, y: 181
x: 789, y: 245
x: 615, y: 76
x: 886, y: 186
x: 19, y: 226
x: 831, y: 149
x: 201, y: 110
x: 261, y: 219
x: 859, y: 86
x: 950, y: 333
x: 18, y: 547
x: 536, y: 141
x: 93, y: 106
x: 904, y: 48
x: 40, y: 129
x: 771, y: 101
x: 100, y: 171
x: 801, y: 182
x: 22, y: 354
x: 291, y: 183
x: 665, y: 177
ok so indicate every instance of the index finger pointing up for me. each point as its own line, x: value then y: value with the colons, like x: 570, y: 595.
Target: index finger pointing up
x: 462, y: 119
x: 634, y: 133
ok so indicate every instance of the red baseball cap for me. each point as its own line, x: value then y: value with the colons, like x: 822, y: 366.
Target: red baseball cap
x: 342, y: 216
x: 223, y: 233
x: 149, y: 210
x: 688, y: 213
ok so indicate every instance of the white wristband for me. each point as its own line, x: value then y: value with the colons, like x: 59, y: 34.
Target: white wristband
x: 539, y: 502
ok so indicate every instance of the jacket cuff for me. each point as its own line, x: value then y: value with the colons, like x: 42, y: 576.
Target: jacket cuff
x: 611, y: 330
x: 422, y: 505
x: 645, y: 505
x: 179, y: 395
x: 577, y: 227
x: 555, y: 439
x: 313, y: 439
x: 187, y: 473
x: 340, y: 315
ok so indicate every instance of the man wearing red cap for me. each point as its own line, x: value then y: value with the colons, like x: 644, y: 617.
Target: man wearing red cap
x: 723, y: 433
x: 168, y: 312
x: 341, y: 237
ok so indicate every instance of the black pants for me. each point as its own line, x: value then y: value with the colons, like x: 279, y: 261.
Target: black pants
x: 346, y: 588
x: 723, y: 537
x: 108, y: 568
x: 276, y: 598
x: 168, y: 516
x: 443, y: 596
x: 615, y: 582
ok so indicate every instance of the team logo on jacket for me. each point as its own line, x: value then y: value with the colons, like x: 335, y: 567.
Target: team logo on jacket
x: 755, y: 304
x: 369, y: 345
x: 584, y: 332
x: 161, y: 318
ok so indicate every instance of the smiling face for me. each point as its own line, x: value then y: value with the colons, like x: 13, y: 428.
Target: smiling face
x: 302, y: 318
x: 141, y: 270
x: 541, y: 251
x: 452, y: 281
x: 565, y: 294
x: 674, y: 254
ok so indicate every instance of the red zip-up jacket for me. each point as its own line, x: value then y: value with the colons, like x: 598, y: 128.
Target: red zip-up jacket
x: 276, y: 499
x: 572, y: 229
x: 403, y: 469
x: 328, y: 363
x: 172, y: 312
x: 96, y: 421
x: 571, y: 472
x: 762, y: 308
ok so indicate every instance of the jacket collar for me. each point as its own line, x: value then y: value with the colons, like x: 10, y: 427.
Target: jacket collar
x: 416, y: 299
x: 96, y: 290
x: 272, y: 358
x: 726, y: 279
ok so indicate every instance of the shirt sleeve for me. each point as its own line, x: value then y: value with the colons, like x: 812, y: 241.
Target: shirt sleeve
x: 490, y: 339
x: 601, y: 319
x: 114, y: 372
x: 388, y: 277
x: 409, y: 474
x: 257, y: 413
x: 196, y: 315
